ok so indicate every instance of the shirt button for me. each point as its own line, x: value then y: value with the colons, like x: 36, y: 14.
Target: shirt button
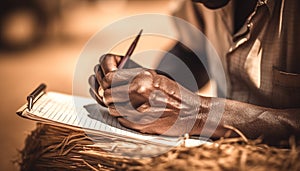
x: 249, y: 25
x: 262, y: 2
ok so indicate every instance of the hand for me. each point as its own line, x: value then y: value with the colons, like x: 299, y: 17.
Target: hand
x: 144, y: 100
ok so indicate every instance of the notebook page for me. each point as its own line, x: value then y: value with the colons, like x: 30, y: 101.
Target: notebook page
x: 84, y: 113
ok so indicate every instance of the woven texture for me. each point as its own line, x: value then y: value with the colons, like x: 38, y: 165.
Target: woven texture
x: 57, y: 148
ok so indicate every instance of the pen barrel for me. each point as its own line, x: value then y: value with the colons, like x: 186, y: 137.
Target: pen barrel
x: 123, y: 62
x: 130, y: 51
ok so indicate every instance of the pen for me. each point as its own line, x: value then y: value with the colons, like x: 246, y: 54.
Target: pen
x: 38, y: 92
x: 130, y: 51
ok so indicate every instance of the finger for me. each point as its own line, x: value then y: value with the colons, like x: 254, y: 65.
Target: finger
x: 96, y: 68
x: 93, y: 82
x: 95, y: 86
x: 128, y: 124
x: 121, y: 94
x: 133, y: 125
x: 118, y: 94
x: 120, y: 109
x: 134, y: 84
x: 97, y: 98
x: 94, y: 90
x: 160, y: 126
x: 156, y: 112
x: 112, y: 111
x: 126, y: 110
x: 163, y: 125
x: 98, y: 73
x: 120, y: 77
x: 109, y: 63
x: 98, y: 90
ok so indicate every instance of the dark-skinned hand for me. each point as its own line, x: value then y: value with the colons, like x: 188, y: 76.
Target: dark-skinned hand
x: 144, y: 100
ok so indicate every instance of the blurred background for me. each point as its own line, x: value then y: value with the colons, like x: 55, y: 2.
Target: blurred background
x: 40, y: 41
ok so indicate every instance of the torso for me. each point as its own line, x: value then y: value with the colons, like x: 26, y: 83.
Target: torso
x: 262, y: 65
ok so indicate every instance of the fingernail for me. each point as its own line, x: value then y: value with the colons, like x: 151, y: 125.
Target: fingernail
x: 101, y: 91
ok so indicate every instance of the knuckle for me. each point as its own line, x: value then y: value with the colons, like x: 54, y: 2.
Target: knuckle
x: 106, y: 93
x: 103, y: 57
x: 147, y: 73
x: 143, y: 82
x: 142, y: 89
x: 113, y: 111
x: 107, y: 79
x: 110, y: 75
x: 108, y: 56
x: 143, y: 108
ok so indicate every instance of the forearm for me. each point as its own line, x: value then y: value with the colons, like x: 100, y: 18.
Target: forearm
x: 273, y: 125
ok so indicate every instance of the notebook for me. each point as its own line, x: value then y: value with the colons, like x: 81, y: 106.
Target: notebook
x: 85, y: 114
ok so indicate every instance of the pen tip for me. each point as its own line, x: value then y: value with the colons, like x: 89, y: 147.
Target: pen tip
x: 141, y: 32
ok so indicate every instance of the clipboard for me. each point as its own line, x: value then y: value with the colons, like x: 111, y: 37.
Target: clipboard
x: 82, y: 113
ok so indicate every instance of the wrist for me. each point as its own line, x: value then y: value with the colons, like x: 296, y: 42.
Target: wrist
x: 201, y: 115
x: 209, y: 120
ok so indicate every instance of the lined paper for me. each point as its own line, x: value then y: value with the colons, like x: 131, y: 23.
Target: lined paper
x: 84, y: 113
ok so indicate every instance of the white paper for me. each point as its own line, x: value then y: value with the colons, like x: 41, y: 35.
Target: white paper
x: 86, y: 114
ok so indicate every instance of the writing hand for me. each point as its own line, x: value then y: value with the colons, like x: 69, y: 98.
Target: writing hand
x: 142, y: 99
